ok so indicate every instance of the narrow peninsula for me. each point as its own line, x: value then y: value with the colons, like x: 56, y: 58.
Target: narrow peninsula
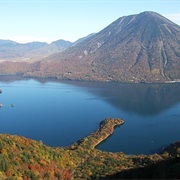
x: 105, y: 130
x: 26, y: 159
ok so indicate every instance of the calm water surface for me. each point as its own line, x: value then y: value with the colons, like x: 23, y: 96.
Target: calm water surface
x: 60, y: 113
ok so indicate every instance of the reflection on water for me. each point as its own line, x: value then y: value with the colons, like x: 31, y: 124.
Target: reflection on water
x: 143, y: 99
x: 61, y: 112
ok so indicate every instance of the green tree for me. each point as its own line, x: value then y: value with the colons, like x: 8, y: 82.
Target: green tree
x: 3, y: 165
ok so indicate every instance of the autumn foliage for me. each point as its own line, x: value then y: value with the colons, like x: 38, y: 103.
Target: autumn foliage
x: 25, y: 159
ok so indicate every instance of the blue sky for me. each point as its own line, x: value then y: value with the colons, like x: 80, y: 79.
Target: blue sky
x: 49, y: 20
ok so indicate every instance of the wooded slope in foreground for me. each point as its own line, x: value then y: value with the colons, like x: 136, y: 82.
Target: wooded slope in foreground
x: 22, y: 158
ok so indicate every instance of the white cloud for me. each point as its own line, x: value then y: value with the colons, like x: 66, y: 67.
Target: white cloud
x: 174, y: 17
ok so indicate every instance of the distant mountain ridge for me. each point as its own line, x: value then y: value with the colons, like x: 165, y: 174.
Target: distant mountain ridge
x: 138, y: 48
x: 13, y: 50
x: 7, y: 43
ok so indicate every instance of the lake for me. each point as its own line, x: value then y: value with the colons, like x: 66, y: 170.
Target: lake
x: 61, y: 112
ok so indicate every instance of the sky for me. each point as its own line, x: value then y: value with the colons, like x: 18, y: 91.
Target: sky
x: 49, y: 20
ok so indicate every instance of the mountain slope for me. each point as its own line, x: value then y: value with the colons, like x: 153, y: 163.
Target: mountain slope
x: 22, y: 158
x: 82, y: 39
x: 48, y: 49
x: 11, y: 50
x: 7, y: 43
x: 137, y: 48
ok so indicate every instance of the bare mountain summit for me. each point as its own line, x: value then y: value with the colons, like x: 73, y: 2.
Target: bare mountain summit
x: 136, y: 48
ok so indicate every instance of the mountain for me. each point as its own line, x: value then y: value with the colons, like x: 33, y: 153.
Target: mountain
x: 48, y: 49
x: 82, y: 39
x: 62, y: 43
x: 7, y: 43
x: 34, y: 45
x: 136, y: 48
x: 11, y: 50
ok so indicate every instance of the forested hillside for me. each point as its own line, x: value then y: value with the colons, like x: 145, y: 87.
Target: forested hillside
x: 22, y: 158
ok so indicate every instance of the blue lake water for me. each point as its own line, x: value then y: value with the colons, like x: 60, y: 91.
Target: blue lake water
x: 61, y: 112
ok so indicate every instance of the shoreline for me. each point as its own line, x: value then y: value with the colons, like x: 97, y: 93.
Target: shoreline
x: 57, y: 78
x: 106, y: 129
